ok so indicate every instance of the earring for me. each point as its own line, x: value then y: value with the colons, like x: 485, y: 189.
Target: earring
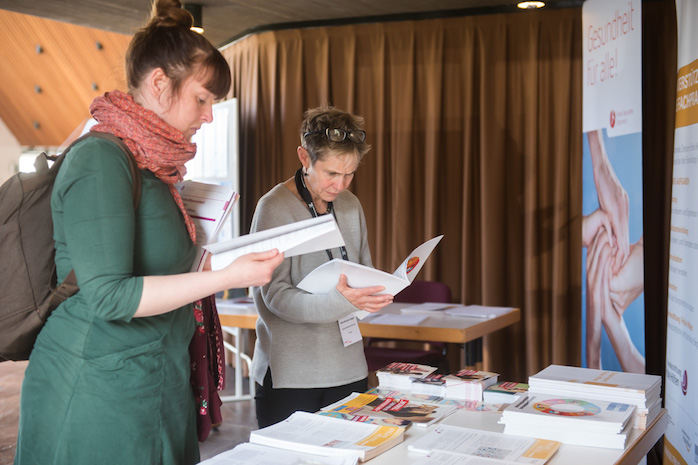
x: 305, y: 171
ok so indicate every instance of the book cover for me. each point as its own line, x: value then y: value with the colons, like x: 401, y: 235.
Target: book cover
x: 396, y: 412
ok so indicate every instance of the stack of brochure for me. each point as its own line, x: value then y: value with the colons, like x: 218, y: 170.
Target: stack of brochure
x: 476, y: 443
x: 255, y: 454
x: 504, y: 392
x: 465, y: 384
x: 310, y: 433
x: 390, y: 411
x: 570, y: 420
x: 399, y: 375
x: 641, y: 390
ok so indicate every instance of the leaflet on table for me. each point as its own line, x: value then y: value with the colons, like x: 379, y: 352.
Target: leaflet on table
x: 311, y: 235
x: 209, y: 206
x: 469, y: 405
x: 477, y: 311
x: 397, y: 319
x: 440, y: 457
x: 397, y: 412
x: 489, y: 444
x: 256, y: 454
x: 325, y: 277
x: 428, y: 307
x: 322, y: 435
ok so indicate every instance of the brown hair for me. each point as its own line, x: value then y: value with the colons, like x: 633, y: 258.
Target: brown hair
x: 167, y: 42
x: 321, y: 118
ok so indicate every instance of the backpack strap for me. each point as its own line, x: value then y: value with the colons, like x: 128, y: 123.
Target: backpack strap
x: 69, y: 286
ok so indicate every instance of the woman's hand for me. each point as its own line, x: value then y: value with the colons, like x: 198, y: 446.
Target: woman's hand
x: 365, y: 298
x: 253, y: 269
x: 162, y: 294
x: 629, y: 283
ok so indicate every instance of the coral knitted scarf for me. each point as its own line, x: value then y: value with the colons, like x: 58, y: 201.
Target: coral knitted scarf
x: 163, y: 150
x: 156, y: 146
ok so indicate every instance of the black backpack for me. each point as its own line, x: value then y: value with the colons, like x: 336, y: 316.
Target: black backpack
x: 28, y: 273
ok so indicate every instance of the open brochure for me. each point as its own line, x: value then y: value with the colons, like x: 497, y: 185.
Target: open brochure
x: 311, y: 235
x: 255, y: 454
x: 387, y: 410
x: 209, y: 206
x: 325, y: 277
x: 473, y: 442
x: 327, y: 436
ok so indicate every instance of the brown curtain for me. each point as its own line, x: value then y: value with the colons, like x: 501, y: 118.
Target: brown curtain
x: 475, y: 124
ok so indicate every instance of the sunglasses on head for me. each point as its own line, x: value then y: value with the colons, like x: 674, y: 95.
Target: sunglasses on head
x: 338, y: 135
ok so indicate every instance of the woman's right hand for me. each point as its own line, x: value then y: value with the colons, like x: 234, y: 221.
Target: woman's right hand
x: 253, y: 269
x: 364, y: 298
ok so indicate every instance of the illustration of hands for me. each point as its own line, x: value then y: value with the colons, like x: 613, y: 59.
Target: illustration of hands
x: 613, y: 198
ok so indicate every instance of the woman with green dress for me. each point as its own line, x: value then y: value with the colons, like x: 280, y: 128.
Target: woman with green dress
x: 108, y: 380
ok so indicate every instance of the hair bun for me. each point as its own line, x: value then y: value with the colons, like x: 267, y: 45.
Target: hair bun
x: 169, y: 13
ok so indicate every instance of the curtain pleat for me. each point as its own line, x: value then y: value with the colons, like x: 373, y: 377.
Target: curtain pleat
x: 475, y: 128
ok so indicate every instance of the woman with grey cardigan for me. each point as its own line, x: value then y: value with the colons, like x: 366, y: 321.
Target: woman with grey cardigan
x: 302, y: 358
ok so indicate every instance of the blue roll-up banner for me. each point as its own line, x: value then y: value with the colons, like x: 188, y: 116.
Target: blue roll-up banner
x: 613, y: 316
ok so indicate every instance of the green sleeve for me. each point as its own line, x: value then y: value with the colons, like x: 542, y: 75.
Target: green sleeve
x: 94, y: 193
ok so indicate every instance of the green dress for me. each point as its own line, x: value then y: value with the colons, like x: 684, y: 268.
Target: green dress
x: 102, y: 386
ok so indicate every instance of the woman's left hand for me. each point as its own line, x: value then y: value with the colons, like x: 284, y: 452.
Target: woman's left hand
x: 364, y: 298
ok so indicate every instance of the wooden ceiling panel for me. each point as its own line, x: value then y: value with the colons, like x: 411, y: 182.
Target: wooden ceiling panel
x: 46, y: 94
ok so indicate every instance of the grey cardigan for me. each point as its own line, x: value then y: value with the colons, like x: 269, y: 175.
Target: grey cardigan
x: 297, y: 333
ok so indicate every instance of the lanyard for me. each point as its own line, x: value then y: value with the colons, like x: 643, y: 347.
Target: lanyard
x: 308, y: 199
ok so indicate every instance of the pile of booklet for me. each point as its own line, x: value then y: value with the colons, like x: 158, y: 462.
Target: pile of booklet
x: 504, y: 392
x: 584, y: 406
x: 322, y: 435
x: 465, y: 384
x: 570, y: 420
x: 641, y: 390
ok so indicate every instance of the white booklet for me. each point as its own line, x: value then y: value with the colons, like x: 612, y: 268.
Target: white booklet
x: 326, y: 276
x: 490, y: 444
x: 209, y: 206
x: 297, y: 238
x: 255, y: 454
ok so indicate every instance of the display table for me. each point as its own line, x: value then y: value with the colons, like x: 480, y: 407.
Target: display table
x: 639, y: 443
x: 438, y: 327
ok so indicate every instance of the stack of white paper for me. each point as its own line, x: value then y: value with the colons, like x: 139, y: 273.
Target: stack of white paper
x: 640, y: 390
x: 570, y: 420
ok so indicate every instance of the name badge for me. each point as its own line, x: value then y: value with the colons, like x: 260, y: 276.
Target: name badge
x: 349, y: 328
